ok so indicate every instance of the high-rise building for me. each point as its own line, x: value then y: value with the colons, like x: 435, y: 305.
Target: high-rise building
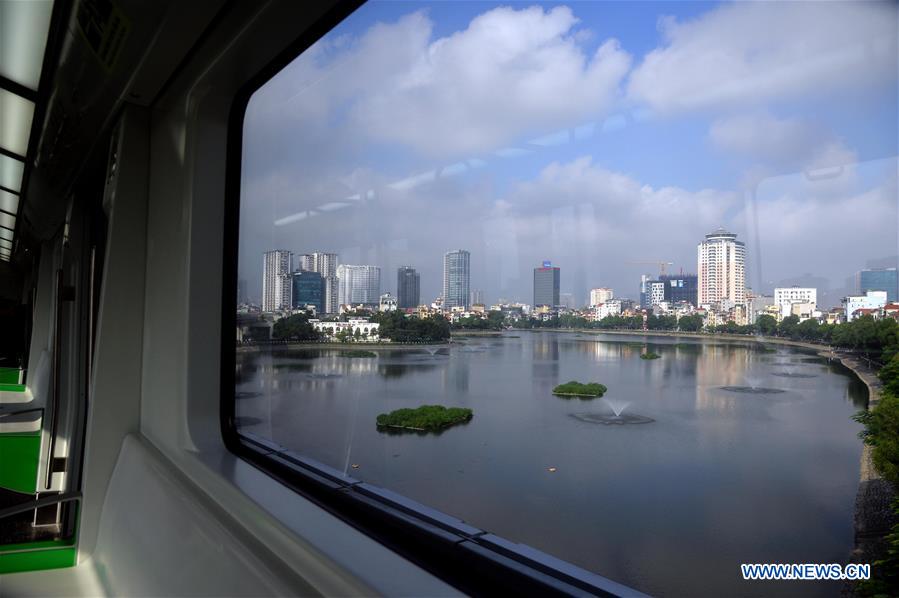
x: 546, y: 285
x: 305, y: 261
x: 326, y: 265
x: 276, y: 287
x: 878, y: 279
x: 476, y: 297
x: 645, y: 279
x: 600, y: 296
x: 721, y: 269
x: 308, y: 289
x: 358, y: 284
x: 656, y: 292
x: 680, y: 287
x: 408, y: 287
x: 456, y: 278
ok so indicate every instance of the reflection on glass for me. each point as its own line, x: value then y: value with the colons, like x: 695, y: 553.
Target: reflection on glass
x: 469, y: 204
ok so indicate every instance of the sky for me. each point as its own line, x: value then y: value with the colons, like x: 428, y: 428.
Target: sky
x: 601, y: 136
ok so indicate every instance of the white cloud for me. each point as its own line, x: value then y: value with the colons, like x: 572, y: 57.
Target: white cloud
x: 509, y: 74
x: 800, y: 230
x: 780, y: 143
x: 751, y: 52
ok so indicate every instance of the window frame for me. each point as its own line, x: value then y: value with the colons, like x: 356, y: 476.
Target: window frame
x: 470, y: 559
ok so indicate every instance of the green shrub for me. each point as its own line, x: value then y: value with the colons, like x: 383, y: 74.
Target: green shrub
x: 574, y: 388
x: 882, y: 434
x: 426, y: 417
x: 884, y: 580
x: 649, y: 355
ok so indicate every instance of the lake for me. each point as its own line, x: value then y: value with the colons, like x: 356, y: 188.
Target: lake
x: 670, y: 507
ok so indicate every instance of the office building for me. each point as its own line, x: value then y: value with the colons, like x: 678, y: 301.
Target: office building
x: 408, y: 287
x: 871, y: 300
x: 656, y: 290
x: 546, y: 285
x: 358, y: 285
x: 600, y: 295
x: 456, y: 279
x: 879, y: 279
x: 612, y: 307
x: 757, y: 305
x: 326, y: 265
x: 680, y: 287
x: 308, y: 289
x: 276, y: 287
x: 305, y: 261
x: 645, y: 279
x: 785, y: 297
x: 721, y: 267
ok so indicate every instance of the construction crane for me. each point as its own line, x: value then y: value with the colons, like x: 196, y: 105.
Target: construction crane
x: 660, y: 264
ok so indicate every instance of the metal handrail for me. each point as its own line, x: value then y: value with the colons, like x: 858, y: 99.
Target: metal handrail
x: 57, y: 349
x: 31, y: 505
x: 21, y: 411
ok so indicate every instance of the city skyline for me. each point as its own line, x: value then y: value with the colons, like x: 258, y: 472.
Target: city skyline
x: 671, y: 288
x: 592, y: 168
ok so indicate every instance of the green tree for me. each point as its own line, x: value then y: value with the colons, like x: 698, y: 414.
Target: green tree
x: 496, y: 319
x: 882, y: 434
x: 788, y: 326
x: 295, y: 328
x: 691, y: 323
x: 889, y: 375
x: 767, y: 325
x: 808, y: 330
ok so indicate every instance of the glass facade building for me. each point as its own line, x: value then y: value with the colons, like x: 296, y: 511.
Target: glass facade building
x: 456, y: 278
x: 546, y: 285
x: 309, y: 289
x: 408, y: 287
x: 879, y: 279
x: 680, y: 287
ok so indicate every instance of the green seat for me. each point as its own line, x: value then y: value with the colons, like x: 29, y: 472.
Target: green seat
x: 10, y: 375
x: 14, y: 393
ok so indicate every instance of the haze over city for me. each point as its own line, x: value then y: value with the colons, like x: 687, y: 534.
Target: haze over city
x: 363, y: 148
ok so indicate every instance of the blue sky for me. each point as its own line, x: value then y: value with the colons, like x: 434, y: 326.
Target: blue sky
x: 640, y: 127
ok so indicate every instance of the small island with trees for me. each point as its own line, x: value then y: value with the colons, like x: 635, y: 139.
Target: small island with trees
x: 578, y: 389
x: 427, y: 418
x: 649, y: 355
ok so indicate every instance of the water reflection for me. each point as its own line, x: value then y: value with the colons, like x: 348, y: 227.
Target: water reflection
x: 739, y: 475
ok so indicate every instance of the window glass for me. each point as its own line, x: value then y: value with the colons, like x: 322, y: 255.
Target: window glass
x: 575, y: 232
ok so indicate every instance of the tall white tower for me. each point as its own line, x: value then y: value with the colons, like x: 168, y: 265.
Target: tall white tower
x: 358, y: 284
x: 456, y: 279
x: 276, y: 286
x: 721, y: 269
x: 326, y: 265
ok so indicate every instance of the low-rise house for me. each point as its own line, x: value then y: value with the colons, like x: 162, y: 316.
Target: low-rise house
x: 358, y: 329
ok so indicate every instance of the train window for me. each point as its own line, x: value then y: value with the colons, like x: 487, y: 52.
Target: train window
x: 530, y: 272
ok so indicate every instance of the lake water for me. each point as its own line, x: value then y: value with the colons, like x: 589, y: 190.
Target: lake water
x: 670, y: 507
